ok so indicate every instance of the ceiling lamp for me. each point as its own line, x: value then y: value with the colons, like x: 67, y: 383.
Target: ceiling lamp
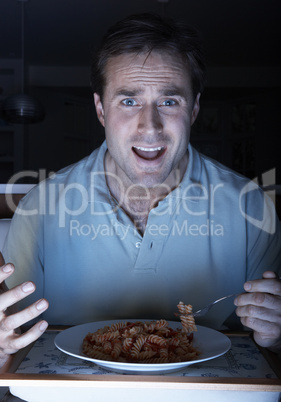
x: 22, y: 108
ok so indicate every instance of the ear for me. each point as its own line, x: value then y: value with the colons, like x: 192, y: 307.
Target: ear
x: 99, y: 108
x: 196, y: 108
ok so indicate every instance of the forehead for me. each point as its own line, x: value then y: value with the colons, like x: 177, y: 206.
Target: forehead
x: 155, y: 68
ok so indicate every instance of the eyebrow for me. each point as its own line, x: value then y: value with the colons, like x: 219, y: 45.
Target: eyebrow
x: 127, y: 92
x: 169, y: 91
x: 174, y: 91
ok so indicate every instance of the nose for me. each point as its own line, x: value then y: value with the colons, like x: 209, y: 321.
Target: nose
x: 150, y: 120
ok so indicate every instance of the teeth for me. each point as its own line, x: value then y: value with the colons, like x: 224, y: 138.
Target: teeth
x: 149, y: 149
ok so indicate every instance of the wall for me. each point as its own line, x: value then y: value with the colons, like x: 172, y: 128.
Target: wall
x: 69, y: 131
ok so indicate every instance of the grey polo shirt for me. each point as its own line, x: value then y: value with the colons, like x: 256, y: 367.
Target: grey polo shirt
x: 203, y: 241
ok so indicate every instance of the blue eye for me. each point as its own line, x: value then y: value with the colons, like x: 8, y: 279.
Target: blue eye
x: 129, y: 102
x: 169, y: 102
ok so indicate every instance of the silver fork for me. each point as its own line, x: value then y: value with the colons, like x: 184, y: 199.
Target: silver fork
x: 205, y: 310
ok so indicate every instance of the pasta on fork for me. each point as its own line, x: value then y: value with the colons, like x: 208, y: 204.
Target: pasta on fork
x: 144, y: 342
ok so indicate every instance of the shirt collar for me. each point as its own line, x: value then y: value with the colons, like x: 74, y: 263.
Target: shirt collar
x: 190, y: 186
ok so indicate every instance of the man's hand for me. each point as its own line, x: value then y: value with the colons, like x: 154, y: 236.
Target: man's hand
x: 260, y: 310
x: 10, y: 321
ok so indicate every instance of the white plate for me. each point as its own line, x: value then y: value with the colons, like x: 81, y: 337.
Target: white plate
x: 209, y: 342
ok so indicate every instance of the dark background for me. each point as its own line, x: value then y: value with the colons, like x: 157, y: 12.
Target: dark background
x: 239, y: 122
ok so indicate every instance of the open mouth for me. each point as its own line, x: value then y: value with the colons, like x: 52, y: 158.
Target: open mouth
x: 148, y: 153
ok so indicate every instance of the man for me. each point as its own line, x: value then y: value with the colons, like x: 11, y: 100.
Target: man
x: 145, y: 221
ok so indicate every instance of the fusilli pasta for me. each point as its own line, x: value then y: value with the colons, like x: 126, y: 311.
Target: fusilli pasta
x: 144, y: 342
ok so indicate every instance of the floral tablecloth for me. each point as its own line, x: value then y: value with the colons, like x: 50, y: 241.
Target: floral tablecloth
x: 243, y: 360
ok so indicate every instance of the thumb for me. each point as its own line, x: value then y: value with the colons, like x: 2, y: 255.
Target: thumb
x: 270, y: 275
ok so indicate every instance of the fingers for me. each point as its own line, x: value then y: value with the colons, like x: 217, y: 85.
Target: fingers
x: 16, y: 294
x: 268, y: 329
x: 258, y: 299
x: 269, y: 284
x: 261, y: 313
x: 12, y: 296
x: 270, y: 274
x: 265, y: 322
x: 15, y: 342
x: 261, y: 305
x: 266, y: 334
x: 31, y: 335
x: 10, y: 341
x: 16, y: 320
x: 260, y: 308
x: 5, y: 271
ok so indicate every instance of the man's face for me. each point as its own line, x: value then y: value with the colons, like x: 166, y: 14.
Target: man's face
x: 147, y: 111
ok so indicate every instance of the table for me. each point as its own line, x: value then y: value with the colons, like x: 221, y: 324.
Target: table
x: 244, y: 371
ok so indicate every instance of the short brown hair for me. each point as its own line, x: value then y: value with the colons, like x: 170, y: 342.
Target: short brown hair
x: 145, y: 33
